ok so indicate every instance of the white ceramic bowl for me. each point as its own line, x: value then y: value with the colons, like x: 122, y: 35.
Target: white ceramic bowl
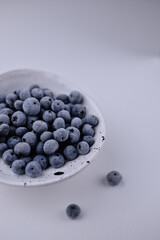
x: 23, y: 79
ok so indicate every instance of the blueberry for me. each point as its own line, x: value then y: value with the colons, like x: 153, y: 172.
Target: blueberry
x: 4, y: 129
x: 18, y: 119
x: 30, y: 121
x: 73, y: 211
x: 57, y: 105
x: 48, y: 93
x: 39, y: 148
x: 114, y: 178
x: 2, y: 98
x: 56, y: 160
x: 3, y: 148
x: 46, y: 102
x: 70, y: 152
x: 21, y: 131
x: 37, y: 93
x: 75, y: 97
x: 46, y: 136
x: 65, y: 115
x: 40, y: 126
x: 9, y: 157
x: 12, y: 141
x: 10, y: 99
x: 17, y: 91
x: 4, y: 119
x: 89, y: 140
x: 42, y: 111
x: 78, y: 110
x: 49, y: 116
x: 50, y: 146
x: 33, y: 169
x: 59, y: 123
x: 6, y: 111
x: 68, y: 107
x: 24, y: 94
x: 12, y: 130
x: 33, y: 86
x: 18, y: 105
x: 22, y: 149
x: 87, y: 129
x: 42, y: 160
x: 74, y: 134
x: 26, y: 159
x: 31, y: 106
x: 63, y: 97
x: 76, y: 122
x: 83, y: 148
x: 18, y: 167
x: 3, y: 105
x: 61, y: 134
x: 91, y: 119
x: 30, y: 138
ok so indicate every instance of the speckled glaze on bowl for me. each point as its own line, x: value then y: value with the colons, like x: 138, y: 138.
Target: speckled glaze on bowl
x: 23, y: 79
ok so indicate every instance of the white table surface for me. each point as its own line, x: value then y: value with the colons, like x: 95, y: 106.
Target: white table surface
x: 111, y: 49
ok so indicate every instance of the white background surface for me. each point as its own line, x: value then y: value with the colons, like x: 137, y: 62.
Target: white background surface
x: 111, y: 49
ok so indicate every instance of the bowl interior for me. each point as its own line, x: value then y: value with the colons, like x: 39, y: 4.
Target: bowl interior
x: 23, y: 79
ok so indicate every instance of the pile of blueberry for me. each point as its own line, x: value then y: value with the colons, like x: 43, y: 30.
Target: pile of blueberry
x: 38, y: 130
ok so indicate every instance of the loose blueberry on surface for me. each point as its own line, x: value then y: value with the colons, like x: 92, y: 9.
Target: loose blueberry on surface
x: 74, y: 134
x: 57, y: 105
x: 50, y: 147
x: 56, y: 160
x: 75, y: 97
x: 18, y: 167
x: 83, y: 148
x: 73, y: 211
x: 78, y: 110
x: 40, y: 126
x: 42, y: 160
x: 65, y: 115
x: 9, y: 157
x: 87, y: 129
x: 114, y: 178
x: 33, y: 169
x: 76, y: 122
x: 70, y: 152
x: 58, y: 123
x: 31, y: 106
x: 22, y: 149
x: 18, y: 119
